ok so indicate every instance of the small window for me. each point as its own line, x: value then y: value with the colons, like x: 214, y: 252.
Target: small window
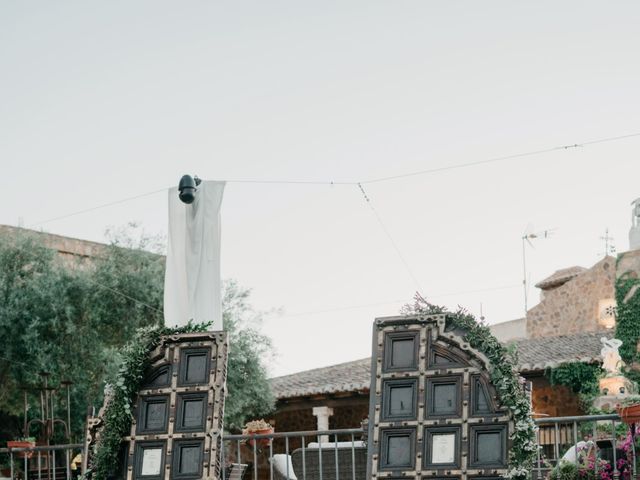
x: 153, y: 414
x: 443, y: 397
x: 194, y: 366
x: 400, y: 399
x: 401, y: 351
x: 398, y: 449
x: 488, y: 446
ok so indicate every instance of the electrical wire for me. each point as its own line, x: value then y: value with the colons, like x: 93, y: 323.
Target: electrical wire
x: 500, y: 159
x: 362, y: 182
x: 140, y: 302
x: 390, y: 237
x: 97, y: 207
x: 360, y: 187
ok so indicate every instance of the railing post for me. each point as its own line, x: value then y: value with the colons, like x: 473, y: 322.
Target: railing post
x: 255, y: 459
x: 304, y: 461
x: 271, y: 460
x: 223, y: 460
x: 616, y: 473
x: 319, y: 438
x: 335, y: 443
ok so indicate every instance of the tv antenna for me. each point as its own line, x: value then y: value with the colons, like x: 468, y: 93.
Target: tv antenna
x: 529, y: 235
x: 609, y: 247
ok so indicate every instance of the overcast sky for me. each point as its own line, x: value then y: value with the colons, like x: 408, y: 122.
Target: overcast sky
x: 101, y: 101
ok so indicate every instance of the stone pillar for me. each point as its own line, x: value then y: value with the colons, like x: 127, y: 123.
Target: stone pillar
x: 323, y: 414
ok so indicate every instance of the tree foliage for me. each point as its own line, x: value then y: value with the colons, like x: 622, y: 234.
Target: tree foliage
x: 70, y: 319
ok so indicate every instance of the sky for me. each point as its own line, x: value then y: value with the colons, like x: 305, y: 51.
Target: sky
x: 104, y: 101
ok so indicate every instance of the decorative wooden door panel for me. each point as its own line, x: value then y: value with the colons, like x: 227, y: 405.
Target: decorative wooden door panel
x: 433, y: 411
x: 177, y: 423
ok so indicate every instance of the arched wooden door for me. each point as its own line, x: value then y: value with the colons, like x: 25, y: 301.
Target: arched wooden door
x: 178, y: 416
x: 433, y: 411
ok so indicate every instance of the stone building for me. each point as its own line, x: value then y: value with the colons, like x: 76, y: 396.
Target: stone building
x: 72, y: 251
x: 576, y: 309
x: 573, y: 300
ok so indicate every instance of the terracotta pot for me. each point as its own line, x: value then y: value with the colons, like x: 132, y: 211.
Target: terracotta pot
x: 21, y: 444
x: 261, y: 442
x: 630, y: 414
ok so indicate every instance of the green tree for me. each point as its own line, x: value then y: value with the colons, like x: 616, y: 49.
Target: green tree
x: 249, y: 393
x: 70, y: 319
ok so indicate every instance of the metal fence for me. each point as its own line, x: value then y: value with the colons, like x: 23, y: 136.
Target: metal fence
x: 53, y: 462
x: 342, y: 454
x: 589, y: 441
x: 309, y: 455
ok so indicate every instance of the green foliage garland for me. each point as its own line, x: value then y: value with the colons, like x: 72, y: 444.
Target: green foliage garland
x: 118, y: 414
x: 628, y: 319
x: 504, y: 377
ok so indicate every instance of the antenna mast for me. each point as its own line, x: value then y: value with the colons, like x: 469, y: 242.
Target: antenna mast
x: 609, y: 247
x: 526, y: 238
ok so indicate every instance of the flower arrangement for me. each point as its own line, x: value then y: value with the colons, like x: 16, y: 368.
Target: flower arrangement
x: 258, y: 427
x: 589, y: 467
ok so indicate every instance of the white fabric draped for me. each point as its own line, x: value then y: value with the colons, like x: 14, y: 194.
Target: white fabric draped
x: 192, y: 285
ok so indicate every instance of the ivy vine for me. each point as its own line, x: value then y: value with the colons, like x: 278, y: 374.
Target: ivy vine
x: 581, y: 378
x: 628, y: 320
x: 504, y: 377
x: 118, y: 413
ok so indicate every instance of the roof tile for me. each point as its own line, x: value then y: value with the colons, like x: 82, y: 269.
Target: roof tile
x: 533, y: 355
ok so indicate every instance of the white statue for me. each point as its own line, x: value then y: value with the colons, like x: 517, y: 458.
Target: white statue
x: 611, y: 360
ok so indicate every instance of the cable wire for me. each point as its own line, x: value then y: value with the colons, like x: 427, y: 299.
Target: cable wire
x: 140, y: 302
x: 362, y: 182
x: 499, y: 159
x: 390, y: 237
x: 97, y: 207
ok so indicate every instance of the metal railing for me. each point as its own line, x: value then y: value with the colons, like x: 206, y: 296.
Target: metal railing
x: 307, y: 455
x: 589, y: 441
x: 342, y: 454
x: 49, y: 462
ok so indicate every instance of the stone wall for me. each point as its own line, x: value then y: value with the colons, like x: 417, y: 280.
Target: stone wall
x: 573, y: 307
x: 72, y: 252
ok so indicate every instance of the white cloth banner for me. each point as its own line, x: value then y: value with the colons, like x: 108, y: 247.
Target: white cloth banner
x: 192, y: 286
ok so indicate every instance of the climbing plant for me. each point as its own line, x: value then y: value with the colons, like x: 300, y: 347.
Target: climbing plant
x: 581, y: 378
x: 504, y: 376
x: 628, y: 319
x: 118, y: 412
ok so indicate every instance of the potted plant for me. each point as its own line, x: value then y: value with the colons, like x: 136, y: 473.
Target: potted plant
x: 629, y: 410
x: 24, y: 442
x: 258, y: 427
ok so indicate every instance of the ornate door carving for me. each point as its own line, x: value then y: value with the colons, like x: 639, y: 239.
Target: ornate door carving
x: 178, y: 417
x: 433, y: 412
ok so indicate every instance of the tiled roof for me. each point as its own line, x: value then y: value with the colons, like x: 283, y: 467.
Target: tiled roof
x: 559, y: 277
x: 540, y: 353
x: 533, y: 355
x: 344, y: 377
